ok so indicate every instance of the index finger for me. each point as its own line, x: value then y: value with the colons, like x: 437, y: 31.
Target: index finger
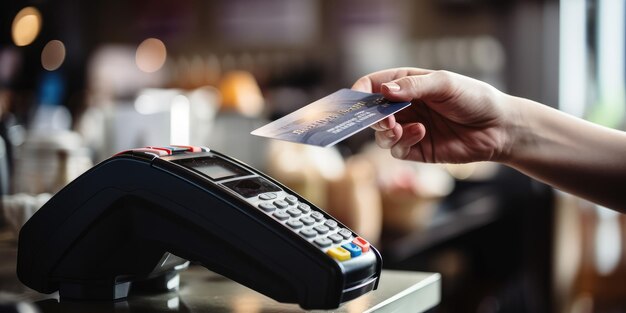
x: 387, y: 123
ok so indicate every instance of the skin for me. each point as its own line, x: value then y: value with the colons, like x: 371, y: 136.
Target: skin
x: 457, y: 119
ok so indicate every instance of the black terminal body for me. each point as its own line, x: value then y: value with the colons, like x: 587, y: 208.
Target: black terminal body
x: 138, y: 216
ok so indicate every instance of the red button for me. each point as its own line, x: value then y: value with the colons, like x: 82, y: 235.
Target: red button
x: 158, y: 152
x: 168, y: 151
x: 362, y: 243
x: 190, y: 148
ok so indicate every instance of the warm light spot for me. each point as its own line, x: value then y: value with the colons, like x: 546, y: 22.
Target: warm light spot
x: 26, y: 26
x: 151, y: 55
x: 240, y: 91
x: 53, y: 55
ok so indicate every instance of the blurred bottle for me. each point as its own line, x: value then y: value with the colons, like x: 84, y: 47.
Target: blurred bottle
x: 305, y: 169
x: 49, y: 114
x: 47, y: 161
x: 410, y: 191
x: 355, y: 200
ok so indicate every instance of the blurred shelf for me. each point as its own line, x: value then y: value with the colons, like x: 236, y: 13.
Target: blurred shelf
x: 450, y: 223
x: 491, y: 240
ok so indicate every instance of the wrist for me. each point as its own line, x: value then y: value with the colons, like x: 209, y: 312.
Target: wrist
x: 517, y: 129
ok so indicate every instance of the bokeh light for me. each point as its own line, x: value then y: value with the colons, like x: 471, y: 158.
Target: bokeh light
x: 53, y: 55
x: 26, y: 26
x: 151, y: 55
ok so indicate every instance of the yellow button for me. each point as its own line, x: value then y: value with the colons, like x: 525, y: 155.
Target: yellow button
x: 339, y: 253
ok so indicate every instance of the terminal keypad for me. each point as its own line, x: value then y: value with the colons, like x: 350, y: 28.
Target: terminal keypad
x: 321, y: 231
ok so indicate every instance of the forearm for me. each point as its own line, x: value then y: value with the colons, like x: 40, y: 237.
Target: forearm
x: 568, y: 153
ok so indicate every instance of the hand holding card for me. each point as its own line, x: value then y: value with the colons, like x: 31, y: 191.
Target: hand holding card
x: 331, y: 119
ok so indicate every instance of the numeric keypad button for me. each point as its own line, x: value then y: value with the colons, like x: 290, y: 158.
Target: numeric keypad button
x: 317, y: 216
x: 323, y: 242
x: 295, y: 224
x: 267, y: 207
x: 281, y: 204
x: 336, y: 238
x: 321, y: 229
x: 308, y: 233
x: 307, y: 220
x: 281, y: 215
x: 267, y: 196
x: 331, y: 224
x: 291, y: 200
x: 345, y: 233
x: 294, y: 212
x: 305, y: 208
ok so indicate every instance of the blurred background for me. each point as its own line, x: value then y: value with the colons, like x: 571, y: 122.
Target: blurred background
x: 82, y: 80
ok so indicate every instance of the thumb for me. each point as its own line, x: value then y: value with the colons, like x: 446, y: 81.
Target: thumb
x: 434, y: 86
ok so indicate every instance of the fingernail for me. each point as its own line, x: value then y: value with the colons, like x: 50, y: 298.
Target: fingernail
x: 391, y: 86
x: 399, y: 152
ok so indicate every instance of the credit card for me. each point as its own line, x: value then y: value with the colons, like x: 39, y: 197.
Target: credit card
x: 331, y: 119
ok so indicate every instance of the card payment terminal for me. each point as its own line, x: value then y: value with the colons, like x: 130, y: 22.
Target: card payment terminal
x: 136, y: 219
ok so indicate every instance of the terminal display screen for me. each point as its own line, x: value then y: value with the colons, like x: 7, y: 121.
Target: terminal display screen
x: 251, y: 187
x: 214, y: 168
